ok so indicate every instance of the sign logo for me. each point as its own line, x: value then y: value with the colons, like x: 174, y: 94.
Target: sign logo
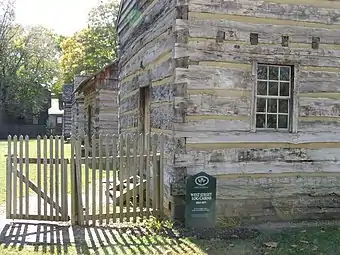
x: 201, y: 180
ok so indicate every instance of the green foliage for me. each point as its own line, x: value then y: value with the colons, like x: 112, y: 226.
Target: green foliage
x: 157, y: 225
x: 93, y: 47
x: 228, y: 222
x: 28, y: 64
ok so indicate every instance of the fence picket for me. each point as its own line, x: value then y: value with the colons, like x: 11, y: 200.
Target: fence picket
x: 134, y: 167
x: 141, y: 175
x: 93, y: 144
x: 63, y: 180
x: 79, y: 191
x: 15, y: 178
x: 51, y: 178
x: 100, y: 202
x: 9, y: 173
x: 147, y: 174
x: 73, y: 189
x: 127, y: 176
x: 114, y: 177
x: 161, y: 174
x: 21, y: 170
x: 107, y: 186
x: 39, y: 176
x: 57, y: 178
x: 154, y: 175
x: 27, y: 166
x: 121, y: 169
x: 45, y: 177
x: 87, y: 182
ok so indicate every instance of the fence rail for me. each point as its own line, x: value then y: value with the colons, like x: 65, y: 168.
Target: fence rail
x: 104, y: 179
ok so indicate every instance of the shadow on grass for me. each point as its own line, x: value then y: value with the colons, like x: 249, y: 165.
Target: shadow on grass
x: 58, y: 239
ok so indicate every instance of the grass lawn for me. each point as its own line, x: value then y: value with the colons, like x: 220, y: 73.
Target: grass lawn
x: 311, y: 241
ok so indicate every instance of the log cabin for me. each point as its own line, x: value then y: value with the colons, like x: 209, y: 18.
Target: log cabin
x: 77, y: 107
x: 66, y: 99
x: 100, y: 102
x: 247, y: 91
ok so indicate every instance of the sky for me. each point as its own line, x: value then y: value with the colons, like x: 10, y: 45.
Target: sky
x: 63, y: 16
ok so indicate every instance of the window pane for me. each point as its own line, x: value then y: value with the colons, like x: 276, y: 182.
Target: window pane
x: 273, y: 73
x: 283, y: 106
x: 262, y: 72
x: 271, y: 120
x: 284, y: 89
x: 283, y: 121
x: 262, y: 88
x: 285, y: 73
x: 272, y: 105
x: 261, y: 105
x: 273, y: 88
x: 260, y: 120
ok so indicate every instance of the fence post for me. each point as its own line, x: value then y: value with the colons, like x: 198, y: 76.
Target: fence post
x: 161, y: 175
x: 158, y: 187
x: 74, y: 197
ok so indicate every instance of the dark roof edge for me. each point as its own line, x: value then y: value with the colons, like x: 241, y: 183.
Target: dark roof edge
x: 85, y: 81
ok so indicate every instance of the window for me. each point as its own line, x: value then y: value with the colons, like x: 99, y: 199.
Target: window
x: 274, y: 97
x: 35, y: 120
x: 59, y: 120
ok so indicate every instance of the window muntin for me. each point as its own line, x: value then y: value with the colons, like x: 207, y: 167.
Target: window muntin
x: 273, y: 97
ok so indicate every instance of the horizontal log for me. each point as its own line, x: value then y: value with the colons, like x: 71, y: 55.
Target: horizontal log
x: 264, y: 10
x: 260, y: 54
x: 145, y: 39
x: 245, y: 139
x: 315, y: 124
x: 250, y: 18
x: 148, y: 54
x: 296, y: 207
x: 261, y: 160
x: 217, y: 123
x: 313, y: 106
x: 163, y: 70
x: 153, y: 11
x: 315, y: 3
x: 224, y: 75
x: 278, y: 187
x: 157, y: 61
x: 218, y: 105
x: 239, y: 30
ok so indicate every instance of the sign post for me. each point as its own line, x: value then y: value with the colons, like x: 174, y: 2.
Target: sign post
x: 201, y: 201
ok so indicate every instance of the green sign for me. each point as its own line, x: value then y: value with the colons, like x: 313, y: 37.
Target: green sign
x: 201, y: 201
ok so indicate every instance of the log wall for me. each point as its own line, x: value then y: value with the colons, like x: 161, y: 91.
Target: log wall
x: 146, y: 39
x: 261, y: 175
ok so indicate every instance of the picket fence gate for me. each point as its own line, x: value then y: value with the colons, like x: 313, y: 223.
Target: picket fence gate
x: 91, y: 180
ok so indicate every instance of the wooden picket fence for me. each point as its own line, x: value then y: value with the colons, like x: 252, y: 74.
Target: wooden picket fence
x: 104, y: 179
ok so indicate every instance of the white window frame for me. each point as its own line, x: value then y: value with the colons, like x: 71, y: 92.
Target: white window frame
x: 58, y: 118
x: 292, y: 97
x: 35, y: 120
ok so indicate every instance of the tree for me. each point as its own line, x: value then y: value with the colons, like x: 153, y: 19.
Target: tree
x: 93, y: 47
x: 28, y: 64
x: 32, y: 67
x: 6, y: 35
